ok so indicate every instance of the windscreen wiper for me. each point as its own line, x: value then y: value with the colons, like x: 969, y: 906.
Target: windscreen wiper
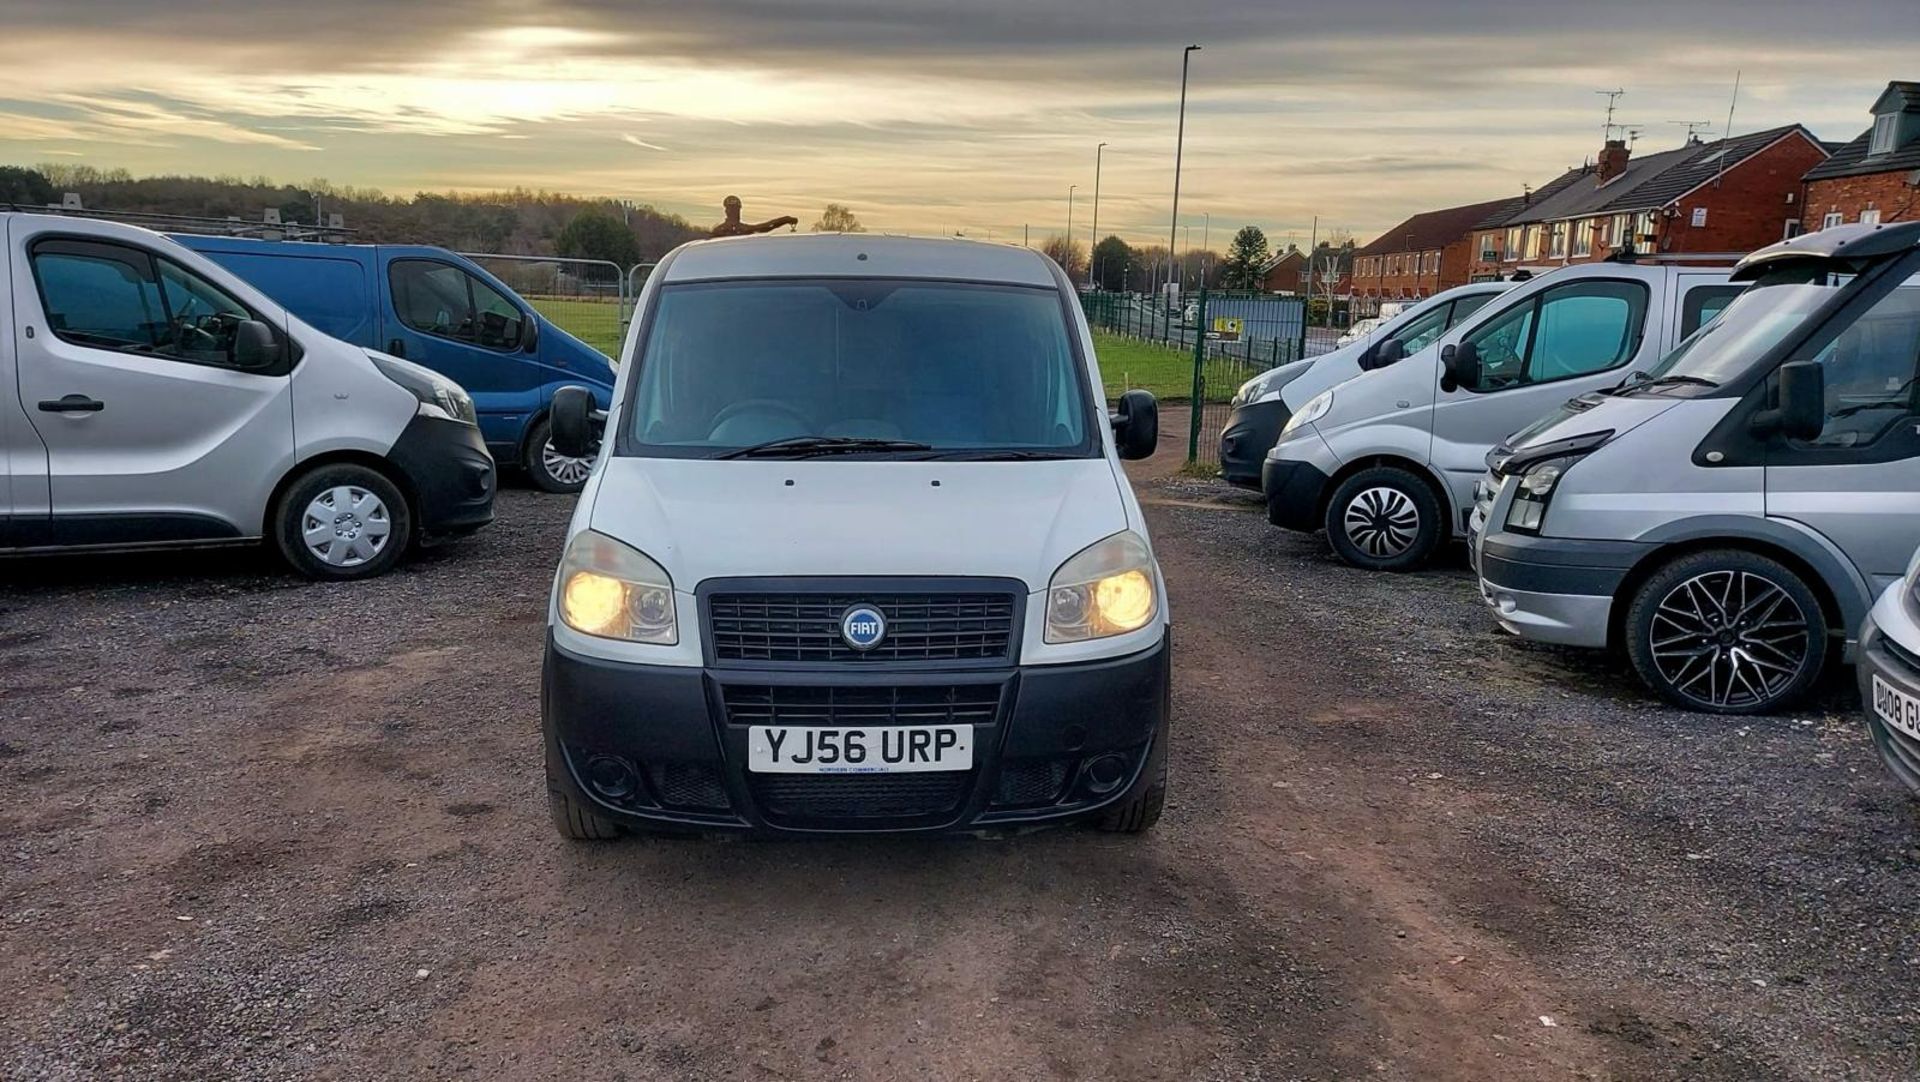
x: 1011, y: 454
x: 809, y: 446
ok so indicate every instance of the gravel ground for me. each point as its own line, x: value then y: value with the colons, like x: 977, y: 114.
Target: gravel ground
x: 256, y: 828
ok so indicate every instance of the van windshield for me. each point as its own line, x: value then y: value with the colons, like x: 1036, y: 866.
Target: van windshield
x: 1754, y: 322
x: 861, y: 367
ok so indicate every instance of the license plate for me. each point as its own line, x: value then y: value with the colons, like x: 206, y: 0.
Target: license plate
x: 1896, y: 707
x: 892, y: 749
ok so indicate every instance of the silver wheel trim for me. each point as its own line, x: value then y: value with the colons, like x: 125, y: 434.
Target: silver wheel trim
x: 565, y: 469
x: 1729, y: 639
x: 345, y: 526
x: 1382, y: 522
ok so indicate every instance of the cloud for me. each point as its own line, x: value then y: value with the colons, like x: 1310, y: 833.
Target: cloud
x: 634, y: 140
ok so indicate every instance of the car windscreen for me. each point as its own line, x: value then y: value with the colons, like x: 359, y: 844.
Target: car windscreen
x: 945, y: 366
x: 1750, y: 325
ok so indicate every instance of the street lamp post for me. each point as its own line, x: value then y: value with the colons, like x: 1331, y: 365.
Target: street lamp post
x: 1093, y: 235
x: 1206, y: 244
x: 1179, y: 146
x: 1069, y: 266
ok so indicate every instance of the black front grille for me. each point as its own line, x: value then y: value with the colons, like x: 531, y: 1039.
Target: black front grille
x: 1026, y: 784
x: 689, y: 785
x: 803, y: 627
x: 861, y: 796
x: 852, y: 706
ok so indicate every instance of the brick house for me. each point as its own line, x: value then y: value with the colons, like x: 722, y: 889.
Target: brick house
x: 1705, y: 200
x: 1419, y: 257
x: 1876, y: 177
x: 1283, y: 271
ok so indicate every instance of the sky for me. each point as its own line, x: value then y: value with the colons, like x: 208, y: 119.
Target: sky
x: 932, y: 116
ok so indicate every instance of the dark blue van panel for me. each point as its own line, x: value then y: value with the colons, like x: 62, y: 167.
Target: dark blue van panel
x: 328, y: 286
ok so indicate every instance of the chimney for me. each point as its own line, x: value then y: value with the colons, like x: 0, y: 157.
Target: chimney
x: 1613, y: 159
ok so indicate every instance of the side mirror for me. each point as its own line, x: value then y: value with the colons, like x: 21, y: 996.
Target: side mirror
x: 571, y: 425
x: 529, y: 333
x: 254, y: 348
x: 1136, y: 424
x: 1389, y: 352
x: 1461, y: 363
x: 1802, y: 413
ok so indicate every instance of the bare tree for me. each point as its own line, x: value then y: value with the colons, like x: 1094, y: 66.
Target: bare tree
x: 1071, y: 256
x: 838, y: 218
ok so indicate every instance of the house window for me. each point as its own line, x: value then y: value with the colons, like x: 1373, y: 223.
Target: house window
x: 1870, y: 217
x: 1792, y: 229
x: 1832, y: 219
x: 1558, y: 243
x: 1512, y: 249
x: 1643, y: 231
x: 1883, y: 126
x: 1620, y: 237
x: 1533, y: 242
x: 1489, y: 247
x: 1583, y: 237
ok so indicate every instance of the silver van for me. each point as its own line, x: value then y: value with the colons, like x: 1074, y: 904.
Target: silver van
x: 1387, y: 461
x: 1263, y: 404
x: 148, y: 397
x: 1728, y: 516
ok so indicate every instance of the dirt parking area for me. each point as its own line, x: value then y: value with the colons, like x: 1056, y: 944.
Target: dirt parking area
x: 255, y: 828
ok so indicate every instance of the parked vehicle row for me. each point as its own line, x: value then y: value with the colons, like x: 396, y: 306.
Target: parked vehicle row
x: 1726, y: 515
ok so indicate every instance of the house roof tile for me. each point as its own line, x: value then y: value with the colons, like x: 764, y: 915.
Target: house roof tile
x: 1432, y: 229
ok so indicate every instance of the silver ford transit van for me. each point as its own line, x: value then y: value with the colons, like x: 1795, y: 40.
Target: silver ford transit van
x: 1728, y: 517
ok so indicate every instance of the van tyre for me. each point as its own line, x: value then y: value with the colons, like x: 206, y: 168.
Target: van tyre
x: 550, y: 470
x: 1384, y: 519
x: 1727, y: 632
x: 342, y: 521
x: 575, y: 821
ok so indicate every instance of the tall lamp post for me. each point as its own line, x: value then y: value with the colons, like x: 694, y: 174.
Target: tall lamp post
x: 1179, y: 146
x: 1093, y: 235
x: 1069, y: 267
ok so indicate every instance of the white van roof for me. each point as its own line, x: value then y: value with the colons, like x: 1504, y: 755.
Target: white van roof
x: 864, y: 255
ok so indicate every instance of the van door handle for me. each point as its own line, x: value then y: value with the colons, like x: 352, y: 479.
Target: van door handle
x: 396, y: 347
x: 73, y: 403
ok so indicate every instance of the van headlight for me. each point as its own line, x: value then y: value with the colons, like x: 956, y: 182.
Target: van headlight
x: 1106, y: 589
x: 440, y: 397
x: 1316, y: 408
x: 615, y: 591
x: 1535, y: 491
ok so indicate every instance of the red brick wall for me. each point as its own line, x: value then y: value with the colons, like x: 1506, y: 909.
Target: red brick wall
x: 1284, y: 277
x: 1748, y: 207
x: 1399, y: 278
x: 1888, y: 193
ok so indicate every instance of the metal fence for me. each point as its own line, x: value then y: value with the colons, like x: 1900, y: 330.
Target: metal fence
x: 1230, y: 338
x: 587, y: 298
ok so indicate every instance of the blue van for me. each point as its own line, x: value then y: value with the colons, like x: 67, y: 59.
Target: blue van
x: 443, y: 311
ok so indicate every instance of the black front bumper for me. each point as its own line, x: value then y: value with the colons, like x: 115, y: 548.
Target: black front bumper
x: 1556, y: 565
x: 451, y: 474
x: 654, y: 746
x: 1296, y: 492
x: 1251, y: 432
x: 1900, y: 668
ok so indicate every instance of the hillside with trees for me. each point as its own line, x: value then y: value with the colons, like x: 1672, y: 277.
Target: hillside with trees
x: 516, y: 222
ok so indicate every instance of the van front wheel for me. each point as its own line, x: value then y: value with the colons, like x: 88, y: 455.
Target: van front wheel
x: 342, y: 521
x: 550, y: 470
x: 1384, y: 519
x: 1727, y: 632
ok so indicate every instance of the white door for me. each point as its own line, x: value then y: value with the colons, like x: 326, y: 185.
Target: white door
x: 125, y: 373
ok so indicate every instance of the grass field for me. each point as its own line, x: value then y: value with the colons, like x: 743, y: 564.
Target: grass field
x: 593, y: 321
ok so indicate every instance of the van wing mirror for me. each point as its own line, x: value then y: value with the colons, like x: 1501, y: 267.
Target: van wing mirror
x: 1802, y: 412
x: 254, y: 348
x: 1136, y: 424
x: 530, y: 333
x: 571, y: 428
x: 1389, y: 352
x: 1461, y: 363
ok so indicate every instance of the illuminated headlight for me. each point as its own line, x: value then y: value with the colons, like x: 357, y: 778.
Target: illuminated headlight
x: 1316, y: 408
x: 1534, y: 492
x: 615, y: 591
x: 1106, y: 589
